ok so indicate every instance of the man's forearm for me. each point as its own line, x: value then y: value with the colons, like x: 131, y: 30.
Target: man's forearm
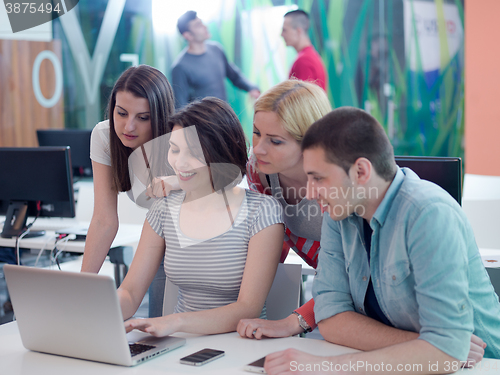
x: 361, y: 332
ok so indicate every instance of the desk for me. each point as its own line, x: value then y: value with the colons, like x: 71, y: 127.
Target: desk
x: 131, y: 219
x: 491, y: 261
x: 16, y: 360
x: 127, y: 234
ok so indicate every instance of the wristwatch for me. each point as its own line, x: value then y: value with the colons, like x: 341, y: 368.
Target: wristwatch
x: 302, y: 323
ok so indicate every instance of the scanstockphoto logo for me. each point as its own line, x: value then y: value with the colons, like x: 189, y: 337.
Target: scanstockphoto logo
x: 26, y: 15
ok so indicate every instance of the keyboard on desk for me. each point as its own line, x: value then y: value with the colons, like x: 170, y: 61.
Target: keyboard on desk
x: 53, y: 225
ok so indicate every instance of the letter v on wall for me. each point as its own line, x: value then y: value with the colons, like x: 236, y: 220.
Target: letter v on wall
x: 92, y: 69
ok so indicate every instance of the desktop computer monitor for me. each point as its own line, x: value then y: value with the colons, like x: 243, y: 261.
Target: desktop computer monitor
x: 79, y: 142
x: 36, y: 182
x: 443, y: 171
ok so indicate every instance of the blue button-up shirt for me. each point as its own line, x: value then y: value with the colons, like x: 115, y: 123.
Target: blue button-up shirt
x: 425, y: 267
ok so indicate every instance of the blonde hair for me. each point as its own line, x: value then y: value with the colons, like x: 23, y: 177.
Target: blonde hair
x: 297, y: 103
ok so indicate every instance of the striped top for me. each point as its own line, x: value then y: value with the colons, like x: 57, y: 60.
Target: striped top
x: 208, y: 272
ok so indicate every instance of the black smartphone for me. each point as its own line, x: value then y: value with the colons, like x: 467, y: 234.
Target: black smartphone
x: 202, y: 357
x: 257, y: 366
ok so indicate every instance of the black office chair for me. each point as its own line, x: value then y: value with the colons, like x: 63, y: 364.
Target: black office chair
x: 443, y: 171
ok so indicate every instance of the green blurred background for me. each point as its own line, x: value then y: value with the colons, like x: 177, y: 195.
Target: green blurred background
x: 401, y: 60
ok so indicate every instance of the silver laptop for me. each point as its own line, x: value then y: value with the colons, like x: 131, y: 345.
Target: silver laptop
x: 77, y: 315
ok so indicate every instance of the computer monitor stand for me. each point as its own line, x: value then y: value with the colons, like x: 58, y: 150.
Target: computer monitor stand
x: 15, y: 221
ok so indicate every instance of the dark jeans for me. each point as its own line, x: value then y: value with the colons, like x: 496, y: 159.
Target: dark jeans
x: 156, y: 292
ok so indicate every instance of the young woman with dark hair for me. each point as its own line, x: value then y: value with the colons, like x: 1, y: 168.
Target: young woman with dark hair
x: 220, y: 243
x: 140, y: 106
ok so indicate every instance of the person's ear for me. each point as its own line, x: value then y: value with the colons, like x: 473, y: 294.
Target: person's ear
x: 301, y: 31
x: 361, y: 171
x: 187, y: 35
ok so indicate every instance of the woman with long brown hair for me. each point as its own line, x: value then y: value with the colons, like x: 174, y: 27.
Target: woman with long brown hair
x: 140, y: 105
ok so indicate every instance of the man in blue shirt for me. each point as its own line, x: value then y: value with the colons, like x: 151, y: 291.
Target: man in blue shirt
x: 399, y: 274
x: 201, y: 68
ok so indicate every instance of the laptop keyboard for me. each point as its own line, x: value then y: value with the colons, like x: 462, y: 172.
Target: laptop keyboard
x: 139, y: 348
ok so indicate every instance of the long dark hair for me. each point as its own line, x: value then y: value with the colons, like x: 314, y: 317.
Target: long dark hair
x: 221, y: 138
x: 146, y: 82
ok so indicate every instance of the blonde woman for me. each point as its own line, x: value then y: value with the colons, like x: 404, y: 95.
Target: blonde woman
x: 282, y: 116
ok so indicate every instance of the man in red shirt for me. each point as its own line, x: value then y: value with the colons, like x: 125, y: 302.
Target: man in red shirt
x: 308, y: 65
